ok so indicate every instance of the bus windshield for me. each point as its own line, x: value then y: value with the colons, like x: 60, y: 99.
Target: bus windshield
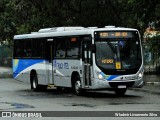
x: 118, y: 55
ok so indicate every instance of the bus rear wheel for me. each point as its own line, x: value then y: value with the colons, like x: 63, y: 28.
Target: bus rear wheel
x: 120, y: 92
x: 34, y: 84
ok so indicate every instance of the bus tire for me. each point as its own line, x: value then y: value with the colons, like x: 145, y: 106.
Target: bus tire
x: 34, y: 82
x: 120, y: 92
x: 78, y: 86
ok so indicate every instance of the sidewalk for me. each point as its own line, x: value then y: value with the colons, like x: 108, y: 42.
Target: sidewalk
x: 5, y: 72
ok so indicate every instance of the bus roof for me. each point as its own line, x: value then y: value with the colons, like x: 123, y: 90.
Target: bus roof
x: 69, y: 31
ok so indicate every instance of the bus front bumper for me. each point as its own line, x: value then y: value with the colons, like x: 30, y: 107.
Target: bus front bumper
x: 104, y: 84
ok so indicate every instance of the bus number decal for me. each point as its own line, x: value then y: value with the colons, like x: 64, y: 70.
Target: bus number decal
x: 74, y: 67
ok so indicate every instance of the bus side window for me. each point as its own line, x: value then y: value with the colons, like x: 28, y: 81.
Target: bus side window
x: 72, y: 47
x: 61, y: 47
x: 27, y: 51
x: 17, y: 49
x: 38, y: 48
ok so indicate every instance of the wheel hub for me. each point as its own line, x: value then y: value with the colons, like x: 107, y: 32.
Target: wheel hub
x: 77, y: 86
x: 34, y: 83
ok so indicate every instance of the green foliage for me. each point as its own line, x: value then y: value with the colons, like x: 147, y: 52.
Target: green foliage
x: 154, y: 42
x: 25, y: 16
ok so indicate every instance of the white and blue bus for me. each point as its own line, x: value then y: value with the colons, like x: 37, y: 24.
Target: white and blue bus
x: 80, y: 58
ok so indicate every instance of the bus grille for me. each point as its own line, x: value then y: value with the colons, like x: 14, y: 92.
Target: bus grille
x: 115, y: 84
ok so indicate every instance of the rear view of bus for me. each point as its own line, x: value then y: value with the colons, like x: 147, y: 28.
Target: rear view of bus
x: 118, y: 59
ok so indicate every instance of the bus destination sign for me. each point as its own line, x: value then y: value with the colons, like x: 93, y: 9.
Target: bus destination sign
x: 116, y: 34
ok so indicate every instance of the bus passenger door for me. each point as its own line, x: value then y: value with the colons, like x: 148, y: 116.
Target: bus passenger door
x: 87, y: 56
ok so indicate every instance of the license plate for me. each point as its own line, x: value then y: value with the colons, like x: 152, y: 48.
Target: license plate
x: 121, y: 86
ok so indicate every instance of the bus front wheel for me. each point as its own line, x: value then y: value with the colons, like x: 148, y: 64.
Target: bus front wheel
x: 77, y: 86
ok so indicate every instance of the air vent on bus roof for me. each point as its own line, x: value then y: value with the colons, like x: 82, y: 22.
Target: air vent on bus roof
x: 59, y: 29
x: 110, y: 26
x: 92, y: 27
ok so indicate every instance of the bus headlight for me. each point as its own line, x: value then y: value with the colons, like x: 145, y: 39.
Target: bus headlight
x: 100, y: 76
x: 140, y: 75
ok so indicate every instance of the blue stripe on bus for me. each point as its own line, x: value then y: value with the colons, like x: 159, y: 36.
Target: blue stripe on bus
x: 109, y: 77
x: 112, y: 77
x: 21, y: 64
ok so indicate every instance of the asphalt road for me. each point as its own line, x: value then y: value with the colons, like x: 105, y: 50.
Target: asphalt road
x: 17, y: 96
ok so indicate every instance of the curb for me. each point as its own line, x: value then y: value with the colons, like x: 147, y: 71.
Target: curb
x: 152, y: 83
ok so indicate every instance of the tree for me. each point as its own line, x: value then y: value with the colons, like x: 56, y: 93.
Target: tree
x: 25, y: 16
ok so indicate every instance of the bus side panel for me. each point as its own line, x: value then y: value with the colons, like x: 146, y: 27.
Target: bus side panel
x: 22, y: 69
x: 25, y: 77
x: 63, y: 70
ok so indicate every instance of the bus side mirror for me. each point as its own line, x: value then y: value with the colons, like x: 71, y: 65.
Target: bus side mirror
x: 93, y: 48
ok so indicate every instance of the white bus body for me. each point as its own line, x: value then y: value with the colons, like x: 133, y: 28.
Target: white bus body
x: 80, y: 58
